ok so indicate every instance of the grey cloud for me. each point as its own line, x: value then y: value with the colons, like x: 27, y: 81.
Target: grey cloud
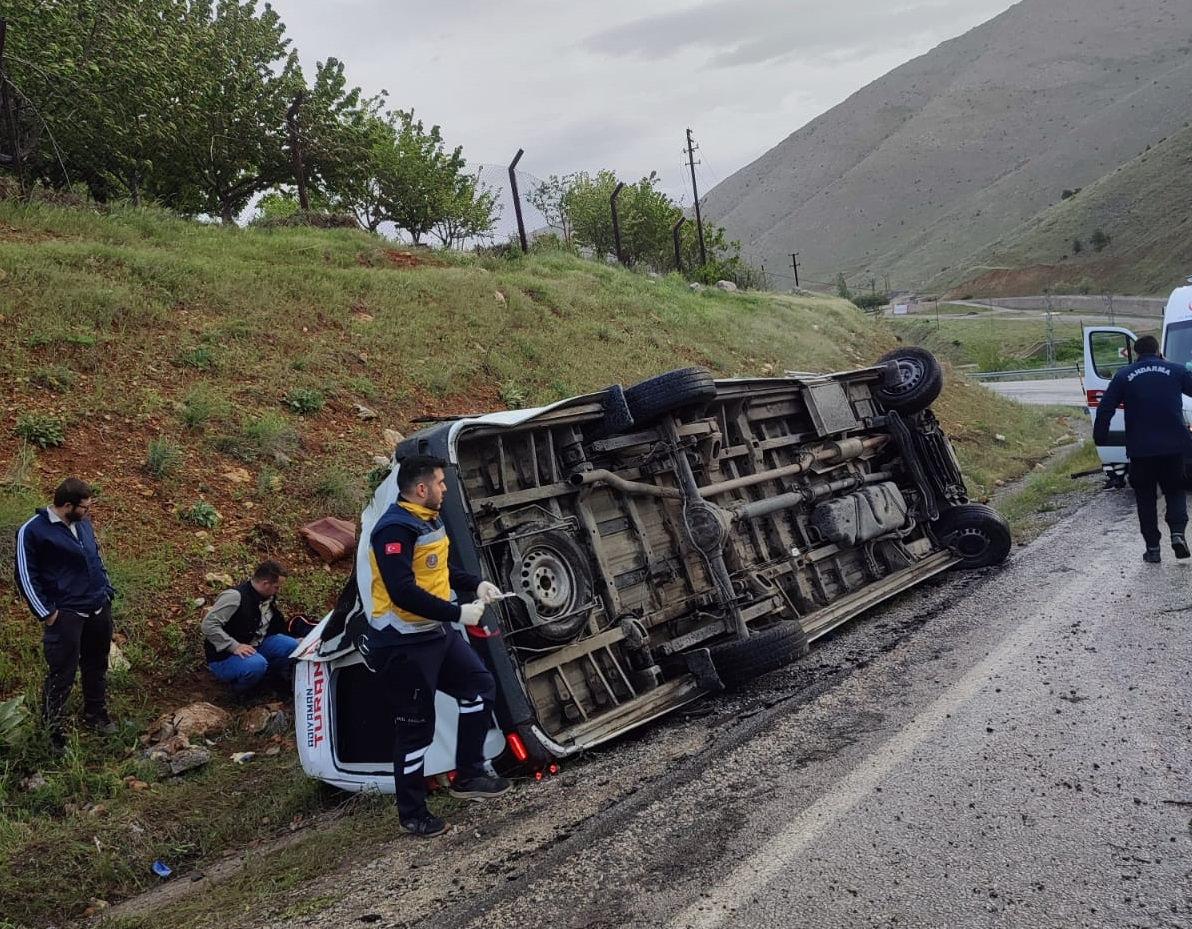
x: 749, y: 32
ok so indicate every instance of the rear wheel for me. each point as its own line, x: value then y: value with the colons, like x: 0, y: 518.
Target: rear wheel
x: 668, y: 392
x: 975, y: 532
x: 913, y: 381
x: 551, y: 573
x: 768, y: 649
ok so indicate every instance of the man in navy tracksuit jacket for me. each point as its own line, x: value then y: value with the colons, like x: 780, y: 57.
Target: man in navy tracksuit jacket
x: 1157, y: 439
x: 62, y: 577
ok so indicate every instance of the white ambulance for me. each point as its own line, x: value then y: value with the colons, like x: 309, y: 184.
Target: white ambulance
x: 1108, y: 348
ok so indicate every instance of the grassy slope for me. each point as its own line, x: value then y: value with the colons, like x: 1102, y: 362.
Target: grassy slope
x: 1145, y: 206
x: 135, y: 327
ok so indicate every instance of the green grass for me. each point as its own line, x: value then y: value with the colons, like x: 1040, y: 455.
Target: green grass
x: 1047, y: 490
x: 134, y: 295
x: 162, y: 457
x: 996, y: 343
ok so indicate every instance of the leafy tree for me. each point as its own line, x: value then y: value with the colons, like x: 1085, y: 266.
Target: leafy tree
x: 244, y: 78
x: 106, y: 82
x: 417, y: 180
x: 470, y: 212
x: 586, y: 203
x: 331, y: 125
x: 548, y: 197
x: 354, y: 183
x: 1098, y: 240
x: 842, y: 290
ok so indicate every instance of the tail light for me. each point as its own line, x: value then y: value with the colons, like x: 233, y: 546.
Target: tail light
x: 517, y: 746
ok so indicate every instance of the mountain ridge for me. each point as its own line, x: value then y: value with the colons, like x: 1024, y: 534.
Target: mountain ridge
x: 957, y: 146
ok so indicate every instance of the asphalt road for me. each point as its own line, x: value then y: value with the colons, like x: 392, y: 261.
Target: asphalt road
x: 1053, y: 392
x: 1007, y: 748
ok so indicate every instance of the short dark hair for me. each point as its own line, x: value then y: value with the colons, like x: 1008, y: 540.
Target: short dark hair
x: 72, y: 490
x: 414, y: 469
x: 1147, y: 345
x: 269, y: 571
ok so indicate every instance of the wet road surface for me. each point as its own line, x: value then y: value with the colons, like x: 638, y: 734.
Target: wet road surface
x: 1007, y: 748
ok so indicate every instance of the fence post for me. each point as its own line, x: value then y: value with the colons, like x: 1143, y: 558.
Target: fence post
x: 521, y: 223
x: 612, y: 202
x: 678, y: 246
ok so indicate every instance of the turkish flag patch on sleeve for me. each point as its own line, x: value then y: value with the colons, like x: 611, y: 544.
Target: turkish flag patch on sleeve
x: 393, y: 548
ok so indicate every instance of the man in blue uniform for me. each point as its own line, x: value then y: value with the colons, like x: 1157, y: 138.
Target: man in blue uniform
x: 1157, y: 439
x: 62, y: 578
x: 411, y: 643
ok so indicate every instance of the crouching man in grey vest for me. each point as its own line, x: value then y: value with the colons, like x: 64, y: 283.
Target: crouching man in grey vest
x: 242, y: 635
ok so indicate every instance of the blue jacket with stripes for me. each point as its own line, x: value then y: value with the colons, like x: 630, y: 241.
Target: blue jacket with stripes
x: 56, y: 571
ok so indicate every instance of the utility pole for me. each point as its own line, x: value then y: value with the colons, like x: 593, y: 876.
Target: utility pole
x: 795, y: 266
x: 690, y: 151
x: 1050, y: 334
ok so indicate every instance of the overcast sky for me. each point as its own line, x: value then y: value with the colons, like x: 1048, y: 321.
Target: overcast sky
x: 615, y: 83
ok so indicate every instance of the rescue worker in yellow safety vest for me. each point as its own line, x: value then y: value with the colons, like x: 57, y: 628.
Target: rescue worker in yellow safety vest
x: 411, y: 643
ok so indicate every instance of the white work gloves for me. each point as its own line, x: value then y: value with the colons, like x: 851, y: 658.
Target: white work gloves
x: 488, y: 593
x: 471, y: 613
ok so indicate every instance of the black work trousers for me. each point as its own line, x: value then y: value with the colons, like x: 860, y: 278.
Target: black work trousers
x: 76, y: 643
x: 412, y: 673
x: 1165, y: 472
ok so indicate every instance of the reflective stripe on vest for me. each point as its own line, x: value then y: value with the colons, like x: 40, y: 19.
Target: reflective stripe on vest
x: 431, y: 572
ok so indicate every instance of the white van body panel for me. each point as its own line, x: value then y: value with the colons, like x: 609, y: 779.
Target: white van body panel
x: 1176, y: 344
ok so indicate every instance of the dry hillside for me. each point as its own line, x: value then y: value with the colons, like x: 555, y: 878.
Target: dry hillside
x: 951, y: 150
x: 1144, y: 208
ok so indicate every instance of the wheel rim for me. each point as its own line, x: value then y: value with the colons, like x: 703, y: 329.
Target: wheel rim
x: 548, y: 579
x: 970, y: 543
x: 910, y: 374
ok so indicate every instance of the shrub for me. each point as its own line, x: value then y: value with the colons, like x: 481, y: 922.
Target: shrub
x: 201, y: 357
x: 363, y: 386
x: 12, y: 719
x: 513, y: 395
x: 305, y: 400
x: 870, y: 301
x: 22, y: 470
x: 163, y: 457
x: 201, y: 514
x: 374, y: 477
x: 57, y: 378
x: 270, y: 434
x: 41, y: 429
x: 1098, y: 240
x: 201, y: 405
x: 339, y: 492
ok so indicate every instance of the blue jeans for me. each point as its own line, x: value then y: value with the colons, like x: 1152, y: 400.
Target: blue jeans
x: 242, y: 673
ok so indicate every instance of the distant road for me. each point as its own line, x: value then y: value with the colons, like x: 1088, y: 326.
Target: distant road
x: 1060, y: 392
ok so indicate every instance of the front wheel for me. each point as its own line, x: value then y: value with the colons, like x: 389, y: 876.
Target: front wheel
x: 977, y: 533
x: 914, y: 379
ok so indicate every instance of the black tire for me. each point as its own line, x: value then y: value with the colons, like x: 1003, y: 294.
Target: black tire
x: 769, y: 649
x: 915, y: 379
x: 617, y: 418
x: 975, y: 532
x: 668, y: 392
x: 554, y: 573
